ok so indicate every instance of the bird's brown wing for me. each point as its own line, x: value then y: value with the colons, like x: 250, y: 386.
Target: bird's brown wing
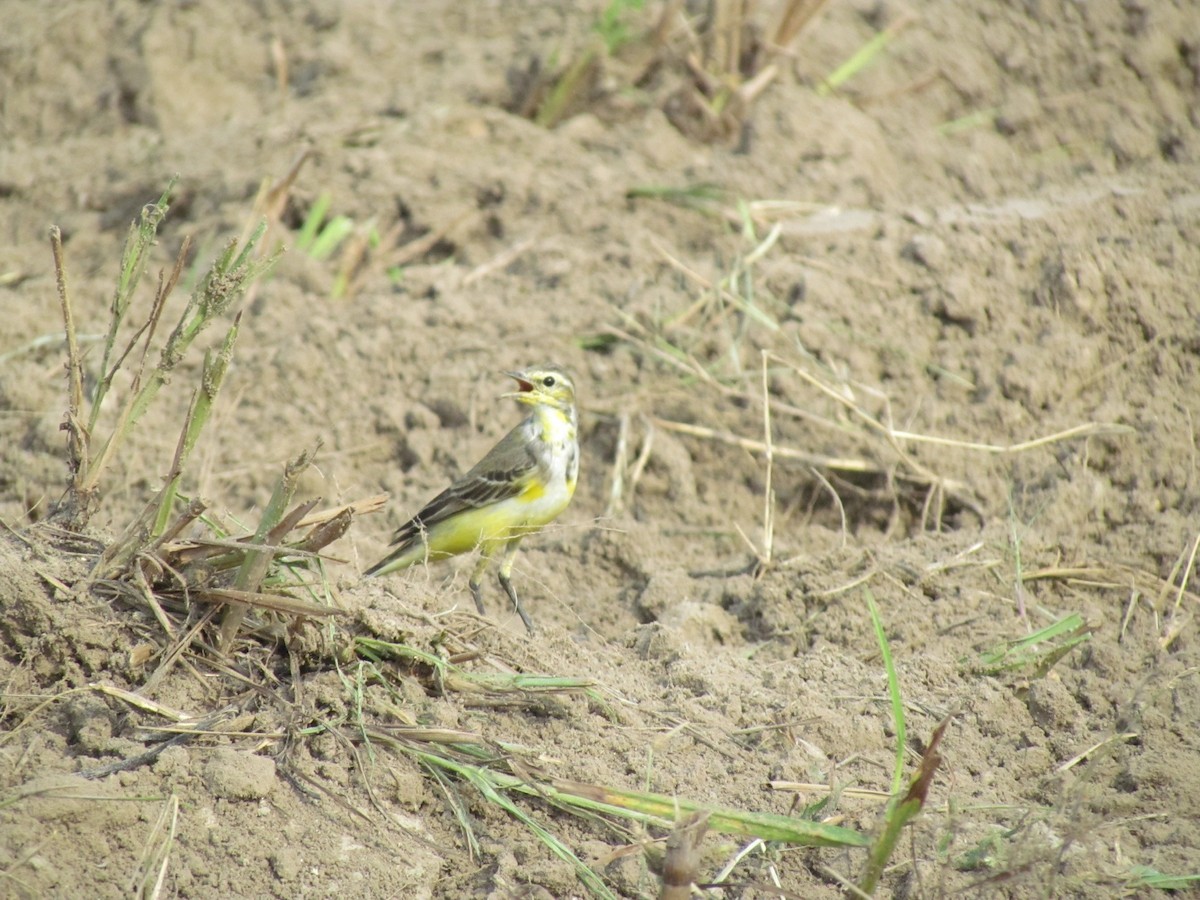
x: 502, y: 474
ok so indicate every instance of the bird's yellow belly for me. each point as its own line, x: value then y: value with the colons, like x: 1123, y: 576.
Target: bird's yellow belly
x: 521, y: 515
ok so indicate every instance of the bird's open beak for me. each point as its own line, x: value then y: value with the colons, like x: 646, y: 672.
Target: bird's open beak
x: 522, y: 382
x: 524, y: 386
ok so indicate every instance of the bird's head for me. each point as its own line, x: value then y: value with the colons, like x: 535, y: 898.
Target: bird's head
x: 544, y: 385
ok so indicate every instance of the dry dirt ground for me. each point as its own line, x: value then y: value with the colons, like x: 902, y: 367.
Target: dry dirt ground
x: 981, y: 313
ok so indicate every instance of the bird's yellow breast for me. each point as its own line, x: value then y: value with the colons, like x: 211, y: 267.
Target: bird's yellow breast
x: 554, y: 427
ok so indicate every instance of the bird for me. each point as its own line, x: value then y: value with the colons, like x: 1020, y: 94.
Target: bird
x: 520, y: 486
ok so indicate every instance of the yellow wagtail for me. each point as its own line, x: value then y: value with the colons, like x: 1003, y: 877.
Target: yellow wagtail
x: 520, y: 486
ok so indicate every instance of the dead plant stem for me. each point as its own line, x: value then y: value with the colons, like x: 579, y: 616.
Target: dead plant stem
x: 77, y: 440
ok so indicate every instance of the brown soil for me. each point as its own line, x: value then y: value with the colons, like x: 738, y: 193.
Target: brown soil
x: 994, y: 238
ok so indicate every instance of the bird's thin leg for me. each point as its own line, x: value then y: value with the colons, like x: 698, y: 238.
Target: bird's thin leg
x: 510, y: 556
x: 485, y: 557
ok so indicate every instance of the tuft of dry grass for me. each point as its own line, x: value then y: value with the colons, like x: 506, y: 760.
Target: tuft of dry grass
x: 705, y: 70
x: 147, y: 563
x: 89, y: 455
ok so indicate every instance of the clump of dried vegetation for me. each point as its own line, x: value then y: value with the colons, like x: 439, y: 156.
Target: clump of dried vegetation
x: 150, y: 561
x: 703, y: 64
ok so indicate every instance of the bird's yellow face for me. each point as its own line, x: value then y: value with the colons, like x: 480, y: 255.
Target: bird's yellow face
x: 544, y: 385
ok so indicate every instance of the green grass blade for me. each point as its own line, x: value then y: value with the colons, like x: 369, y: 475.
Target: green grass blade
x: 254, y: 566
x: 982, y: 118
x: 246, y: 260
x: 141, y: 238
x: 893, y: 689
x: 611, y: 25
x: 225, y: 283
x: 256, y: 562
x: 705, y: 198
x: 211, y: 378
x: 461, y: 815
x: 484, y: 781
x: 901, y: 810
x: 452, y: 677
x: 1146, y: 876
x: 599, y: 342
x: 376, y: 650
x: 567, y: 88
x: 663, y: 810
x: 331, y: 237
x: 1038, y: 651
x: 312, y: 222
x: 861, y: 59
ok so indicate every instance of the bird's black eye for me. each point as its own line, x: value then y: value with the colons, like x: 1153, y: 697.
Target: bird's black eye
x: 548, y: 381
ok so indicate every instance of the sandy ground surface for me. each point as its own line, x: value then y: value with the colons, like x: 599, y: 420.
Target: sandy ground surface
x: 988, y: 237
